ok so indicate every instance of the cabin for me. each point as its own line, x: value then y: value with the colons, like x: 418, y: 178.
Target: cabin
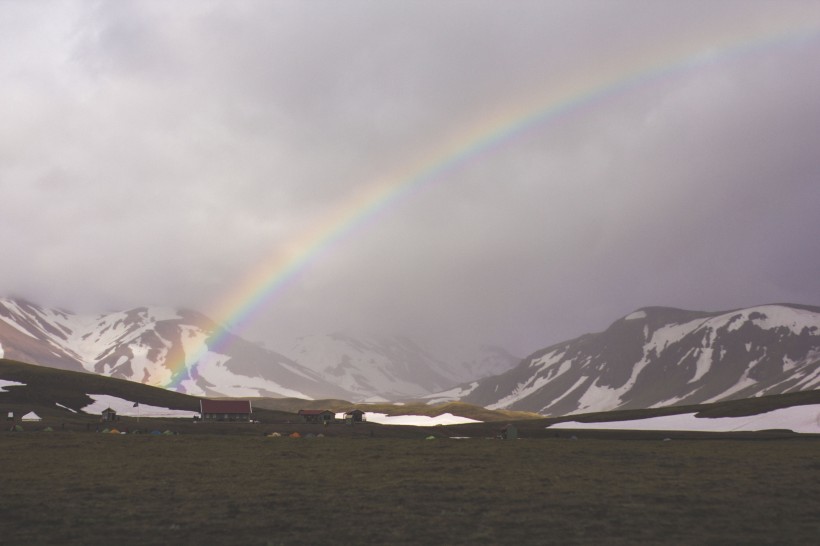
x: 225, y: 410
x: 108, y: 415
x: 354, y: 416
x: 317, y: 416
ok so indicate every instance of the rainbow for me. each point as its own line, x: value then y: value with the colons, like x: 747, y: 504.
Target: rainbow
x: 283, y: 267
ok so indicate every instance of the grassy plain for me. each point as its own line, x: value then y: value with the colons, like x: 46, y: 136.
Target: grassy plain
x: 87, y: 488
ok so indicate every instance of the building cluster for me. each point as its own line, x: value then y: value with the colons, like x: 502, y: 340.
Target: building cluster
x: 241, y: 411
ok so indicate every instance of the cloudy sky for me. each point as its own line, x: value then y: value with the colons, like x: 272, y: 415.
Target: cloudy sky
x: 612, y: 155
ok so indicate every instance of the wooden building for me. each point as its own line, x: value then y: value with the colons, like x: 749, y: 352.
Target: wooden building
x: 108, y: 415
x: 225, y: 410
x: 317, y: 416
x: 354, y: 416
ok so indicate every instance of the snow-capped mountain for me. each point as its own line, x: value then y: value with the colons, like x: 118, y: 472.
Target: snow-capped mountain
x: 660, y: 357
x: 486, y: 361
x: 178, y: 349
x: 392, y: 367
x: 374, y: 367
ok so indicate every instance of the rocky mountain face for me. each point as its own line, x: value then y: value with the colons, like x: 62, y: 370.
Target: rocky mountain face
x: 660, y: 357
x: 178, y: 349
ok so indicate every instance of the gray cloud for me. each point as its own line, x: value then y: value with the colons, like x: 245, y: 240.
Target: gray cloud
x: 155, y: 153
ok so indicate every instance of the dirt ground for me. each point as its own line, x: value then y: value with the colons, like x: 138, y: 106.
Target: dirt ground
x: 87, y: 488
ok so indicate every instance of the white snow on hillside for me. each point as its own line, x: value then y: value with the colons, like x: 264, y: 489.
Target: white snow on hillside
x: 211, y: 367
x: 5, y: 383
x: 59, y: 405
x: 126, y: 408
x: 417, y: 420
x: 805, y: 419
x: 456, y: 393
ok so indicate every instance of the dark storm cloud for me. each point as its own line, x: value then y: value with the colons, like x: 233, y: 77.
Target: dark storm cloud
x: 153, y: 153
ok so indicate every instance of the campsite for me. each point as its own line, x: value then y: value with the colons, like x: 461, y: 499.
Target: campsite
x: 76, y: 488
x: 277, y: 479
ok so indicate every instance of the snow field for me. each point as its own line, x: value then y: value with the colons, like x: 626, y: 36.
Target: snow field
x: 6, y: 383
x: 803, y: 419
x: 417, y: 420
x: 126, y: 408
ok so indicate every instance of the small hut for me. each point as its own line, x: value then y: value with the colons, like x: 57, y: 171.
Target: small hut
x: 317, y: 416
x: 108, y: 415
x: 354, y: 416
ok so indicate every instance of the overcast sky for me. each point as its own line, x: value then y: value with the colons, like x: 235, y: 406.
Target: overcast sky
x: 153, y: 153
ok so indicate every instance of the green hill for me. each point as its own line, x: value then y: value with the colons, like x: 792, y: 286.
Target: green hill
x: 44, y: 388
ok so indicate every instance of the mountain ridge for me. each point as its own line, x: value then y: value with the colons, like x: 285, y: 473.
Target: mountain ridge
x: 187, y: 351
x: 155, y: 346
x: 659, y: 356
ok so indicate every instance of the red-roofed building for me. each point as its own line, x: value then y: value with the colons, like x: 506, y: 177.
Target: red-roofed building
x: 317, y: 416
x: 225, y: 410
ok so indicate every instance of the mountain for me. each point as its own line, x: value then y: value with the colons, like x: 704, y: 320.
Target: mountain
x: 374, y: 367
x: 392, y: 367
x: 156, y: 346
x: 660, y: 356
x: 486, y: 361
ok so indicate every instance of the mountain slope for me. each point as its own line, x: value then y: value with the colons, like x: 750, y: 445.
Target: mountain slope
x: 393, y: 367
x: 383, y: 367
x: 156, y: 346
x: 662, y: 356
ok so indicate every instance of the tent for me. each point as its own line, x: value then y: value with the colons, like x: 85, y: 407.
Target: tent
x: 274, y: 435
x: 430, y: 438
x: 295, y: 435
x: 168, y: 433
x: 156, y: 433
x: 105, y: 431
x: 31, y: 416
x: 48, y: 429
x: 17, y: 428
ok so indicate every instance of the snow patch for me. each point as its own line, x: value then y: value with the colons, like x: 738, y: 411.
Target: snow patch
x: 59, y: 405
x: 456, y: 393
x: 599, y: 398
x: 126, y: 408
x: 521, y: 391
x: 804, y: 419
x: 636, y: 315
x: 7, y: 383
x: 703, y: 363
x: 210, y: 368
x: 417, y: 420
x: 16, y: 326
x: 569, y: 391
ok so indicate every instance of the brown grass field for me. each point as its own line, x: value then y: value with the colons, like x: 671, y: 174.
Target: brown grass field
x: 87, y: 488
